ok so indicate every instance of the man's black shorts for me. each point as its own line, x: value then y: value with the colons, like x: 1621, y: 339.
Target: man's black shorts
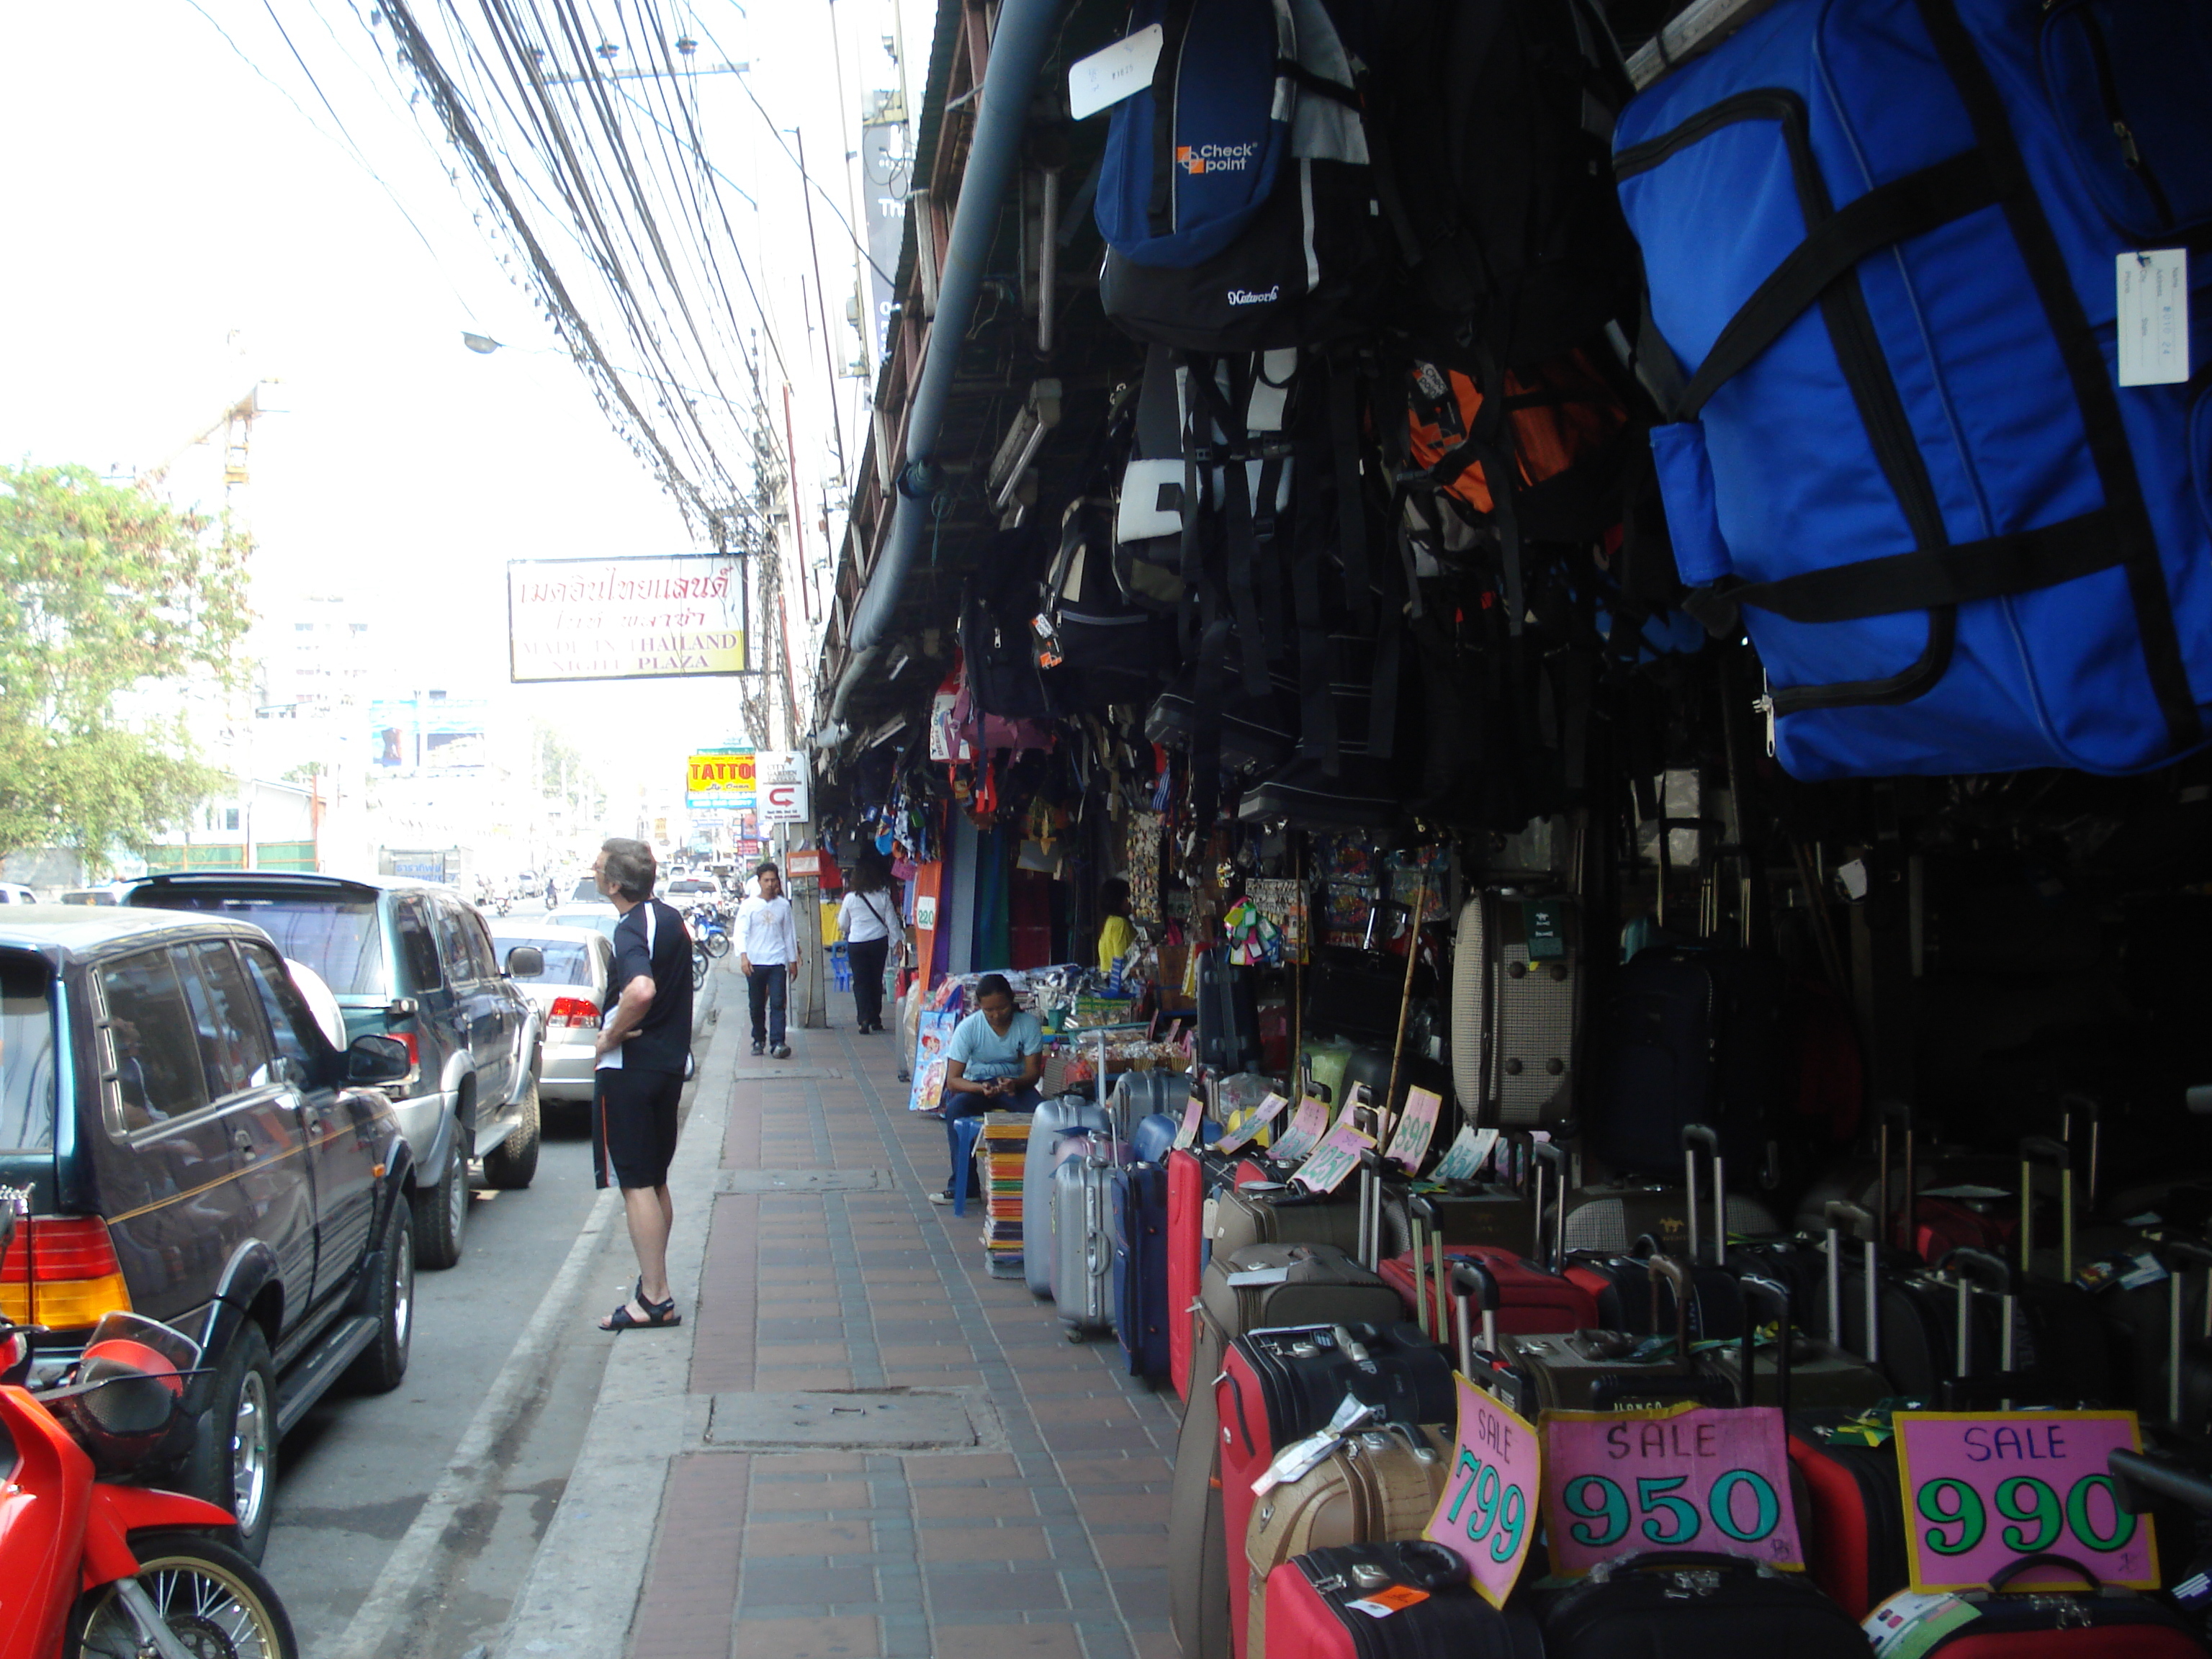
x: 634, y: 1126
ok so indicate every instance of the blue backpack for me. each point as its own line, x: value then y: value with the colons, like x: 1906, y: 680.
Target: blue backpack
x: 1881, y: 239
x: 1234, y: 195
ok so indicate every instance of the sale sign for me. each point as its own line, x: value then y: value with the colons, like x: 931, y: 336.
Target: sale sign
x: 1486, y: 1513
x: 1337, y: 1157
x: 1981, y: 1489
x: 1305, y: 1131
x: 1683, y: 1478
x: 1415, y: 1127
x: 1270, y: 1109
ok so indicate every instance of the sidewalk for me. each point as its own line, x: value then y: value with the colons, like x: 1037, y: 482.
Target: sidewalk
x: 808, y: 1258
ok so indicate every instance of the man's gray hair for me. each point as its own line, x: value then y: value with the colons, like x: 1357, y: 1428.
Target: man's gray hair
x: 630, y: 868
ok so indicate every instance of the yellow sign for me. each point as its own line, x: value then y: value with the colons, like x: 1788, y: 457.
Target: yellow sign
x: 718, y: 774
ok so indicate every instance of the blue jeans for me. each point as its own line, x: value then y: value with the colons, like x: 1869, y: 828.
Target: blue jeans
x: 968, y: 1105
x: 767, y: 987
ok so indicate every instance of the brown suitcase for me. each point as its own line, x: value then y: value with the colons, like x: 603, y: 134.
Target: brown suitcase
x: 1605, y: 1371
x: 1377, y: 1485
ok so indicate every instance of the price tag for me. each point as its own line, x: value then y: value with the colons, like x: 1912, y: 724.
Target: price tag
x: 1105, y: 78
x: 1411, y: 1143
x: 1469, y: 1150
x: 2154, y: 317
x: 1686, y: 1478
x: 1192, y: 1110
x: 1384, y: 1602
x: 1305, y: 1132
x: 1337, y: 1157
x: 1981, y: 1489
x: 1270, y: 1109
x: 1487, y: 1511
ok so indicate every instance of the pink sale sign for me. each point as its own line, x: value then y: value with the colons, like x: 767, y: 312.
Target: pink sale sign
x: 1487, y: 1513
x: 1686, y: 1477
x: 1983, y: 1489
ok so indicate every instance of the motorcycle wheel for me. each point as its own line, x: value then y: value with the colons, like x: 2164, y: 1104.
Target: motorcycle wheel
x: 212, y: 1599
x: 718, y: 946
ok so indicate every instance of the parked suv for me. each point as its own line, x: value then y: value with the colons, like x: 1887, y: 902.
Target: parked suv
x: 414, y: 961
x: 191, y: 1147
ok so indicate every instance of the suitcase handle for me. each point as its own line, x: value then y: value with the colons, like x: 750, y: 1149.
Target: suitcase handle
x: 1664, y: 1267
x: 2012, y: 1569
x: 1901, y: 1111
x: 1776, y: 1295
x: 2177, y: 1256
x: 1838, y: 1210
x: 1994, y: 1272
x: 1472, y: 1279
x: 1678, y: 1560
x: 1697, y: 1137
x: 1549, y: 1154
x: 2055, y: 1153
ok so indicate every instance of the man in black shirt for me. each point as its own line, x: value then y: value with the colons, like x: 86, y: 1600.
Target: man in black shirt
x: 644, y: 1047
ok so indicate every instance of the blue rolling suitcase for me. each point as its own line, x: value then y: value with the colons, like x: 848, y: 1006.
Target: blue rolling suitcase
x: 1139, y: 1198
x: 1896, y: 248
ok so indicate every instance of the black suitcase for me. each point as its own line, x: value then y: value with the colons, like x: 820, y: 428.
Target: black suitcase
x: 1689, y: 1604
x: 1311, y: 1615
x: 1228, y: 1016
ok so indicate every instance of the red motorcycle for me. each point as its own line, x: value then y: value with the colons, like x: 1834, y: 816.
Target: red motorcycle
x: 94, y: 1569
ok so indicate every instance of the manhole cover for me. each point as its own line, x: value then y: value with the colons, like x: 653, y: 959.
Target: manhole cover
x: 859, y: 1419
x: 802, y: 1181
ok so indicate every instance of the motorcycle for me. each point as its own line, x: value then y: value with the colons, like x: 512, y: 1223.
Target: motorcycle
x: 98, y: 1570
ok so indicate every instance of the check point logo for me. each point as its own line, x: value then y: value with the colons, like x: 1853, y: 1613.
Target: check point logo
x: 1195, y: 159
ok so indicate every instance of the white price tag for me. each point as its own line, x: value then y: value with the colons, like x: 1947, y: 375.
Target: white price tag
x: 2154, y: 317
x: 1105, y: 78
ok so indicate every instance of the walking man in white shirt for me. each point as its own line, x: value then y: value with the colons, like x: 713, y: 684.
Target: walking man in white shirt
x: 768, y: 956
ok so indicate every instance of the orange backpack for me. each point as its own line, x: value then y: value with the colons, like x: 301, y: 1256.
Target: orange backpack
x: 1560, y: 412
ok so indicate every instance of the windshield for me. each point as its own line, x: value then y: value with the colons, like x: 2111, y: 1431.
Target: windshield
x: 567, y: 961
x: 339, y: 939
x: 26, y: 1056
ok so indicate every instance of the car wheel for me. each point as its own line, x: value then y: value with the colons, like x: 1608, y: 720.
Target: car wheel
x: 383, y: 1363
x: 442, y: 1212
x: 234, y: 1461
x: 512, y: 1163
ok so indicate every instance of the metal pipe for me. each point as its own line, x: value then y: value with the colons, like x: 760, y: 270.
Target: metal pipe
x: 1018, y: 47
x: 1047, y: 258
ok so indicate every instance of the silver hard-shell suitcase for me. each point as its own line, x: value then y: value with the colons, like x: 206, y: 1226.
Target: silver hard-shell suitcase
x: 1082, y: 1253
x: 1055, y: 1121
x: 1517, y: 1008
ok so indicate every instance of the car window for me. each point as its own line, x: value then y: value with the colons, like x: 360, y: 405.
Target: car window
x: 339, y: 939
x: 233, y: 1039
x: 300, y: 1041
x: 567, y: 961
x: 154, y: 1045
x: 454, y: 942
x: 418, y: 956
x: 602, y: 922
x: 26, y: 1055
x: 480, y: 947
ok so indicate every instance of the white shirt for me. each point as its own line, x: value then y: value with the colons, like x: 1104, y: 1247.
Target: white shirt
x: 864, y: 916
x: 766, y: 933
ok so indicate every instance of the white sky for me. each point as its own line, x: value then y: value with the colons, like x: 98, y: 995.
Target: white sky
x: 163, y: 194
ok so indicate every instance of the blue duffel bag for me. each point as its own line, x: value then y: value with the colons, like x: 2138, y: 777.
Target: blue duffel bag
x: 1884, y: 239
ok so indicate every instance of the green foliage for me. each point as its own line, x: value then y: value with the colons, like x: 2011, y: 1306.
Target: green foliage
x: 103, y: 590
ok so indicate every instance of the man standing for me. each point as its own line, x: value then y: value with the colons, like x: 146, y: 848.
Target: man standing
x: 643, y: 1048
x: 768, y: 956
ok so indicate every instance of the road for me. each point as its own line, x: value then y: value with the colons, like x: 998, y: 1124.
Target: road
x: 355, y: 1473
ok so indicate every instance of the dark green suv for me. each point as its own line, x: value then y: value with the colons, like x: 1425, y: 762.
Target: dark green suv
x: 413, y: 961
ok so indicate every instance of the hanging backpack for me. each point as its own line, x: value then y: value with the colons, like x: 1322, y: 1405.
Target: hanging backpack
x: 1493, y: 155
x: 1235, y: 195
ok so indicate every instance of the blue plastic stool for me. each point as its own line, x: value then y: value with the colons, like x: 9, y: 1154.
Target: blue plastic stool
x: 970, y: 1130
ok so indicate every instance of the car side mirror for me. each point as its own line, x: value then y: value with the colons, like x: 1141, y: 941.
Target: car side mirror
x: 525, y: 961
x: 377, y: 1059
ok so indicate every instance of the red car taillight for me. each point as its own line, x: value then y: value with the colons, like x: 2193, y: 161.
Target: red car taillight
x: 577, y: 1012
x: 78, y: 1276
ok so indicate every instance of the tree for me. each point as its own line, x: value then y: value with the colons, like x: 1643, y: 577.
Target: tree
x: 104, y: 591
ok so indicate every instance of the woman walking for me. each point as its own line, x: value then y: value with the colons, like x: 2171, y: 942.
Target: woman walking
x: 866, y: 918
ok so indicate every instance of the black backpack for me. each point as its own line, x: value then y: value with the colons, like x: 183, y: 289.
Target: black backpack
x: 1494, y: 167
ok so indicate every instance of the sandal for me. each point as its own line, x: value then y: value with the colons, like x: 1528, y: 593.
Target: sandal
x: 659, y: 1316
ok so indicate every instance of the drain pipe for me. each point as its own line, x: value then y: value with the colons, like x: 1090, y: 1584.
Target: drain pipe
x: 1018, y: 46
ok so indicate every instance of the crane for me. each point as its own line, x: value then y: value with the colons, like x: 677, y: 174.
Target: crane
x: 236, y: 424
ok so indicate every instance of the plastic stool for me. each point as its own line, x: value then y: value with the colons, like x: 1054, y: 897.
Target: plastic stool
x: 969, y: 1130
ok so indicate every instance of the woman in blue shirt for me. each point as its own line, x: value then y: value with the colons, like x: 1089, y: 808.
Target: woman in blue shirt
x: 992, y: 1064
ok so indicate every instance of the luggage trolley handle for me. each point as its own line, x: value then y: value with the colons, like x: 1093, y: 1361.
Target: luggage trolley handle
x: 2177, y: 1256
x: 1471, y: 1281
x: 1549, y: 1154
x: 1697, y: 1137
x: 1425, y: 1233
x: 1838, y: 1211
x: 1660, y: 1266
x: 2042, y: 1147
x: 1994, y: 1272
x: 1900, y: 1112
x: 1776, y: 1295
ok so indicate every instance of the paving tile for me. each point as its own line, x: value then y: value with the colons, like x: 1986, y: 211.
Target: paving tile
x: 771, y: 1466
x: 844, y: 1638
x: 1122, y: 1509
x: 775, y: 1378
x: 1021, y: 1590
x: 972, y: 1503
x: 1007, y: 1641
x: 1100, y: 1471
x: 779, y: 1583
x: 922, y: 1466
x: 809, y: 1538
x: 966, y: 1543
x: 768, y: 1353
x: 768, y: 1495
x: 1053, y: 1409
x: 1117, y: 1550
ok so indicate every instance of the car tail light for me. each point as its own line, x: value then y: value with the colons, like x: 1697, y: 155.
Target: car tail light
x: 78, y: 1276
x: 579, y: 1011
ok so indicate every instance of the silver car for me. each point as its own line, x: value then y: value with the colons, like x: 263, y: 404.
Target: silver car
x: 571, y: 997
